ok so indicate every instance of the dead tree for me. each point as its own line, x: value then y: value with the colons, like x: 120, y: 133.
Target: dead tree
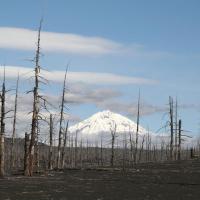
x: 132, y: 145
x: 176, y: 130
x: 50, y: 165
x: 179, y: 140
x: 141, y: 149
x: 60, y: 134
x: 14, y: 125
x: 137, y: 130
x: 113, y: 135
x: 2, y: 133
x: 26, y: 145
x: 76, y: 149
x: 64, y: 145
x: 124, y: 153
x: 171, y: 127
x: 101, y: 151
x: 36, y: 108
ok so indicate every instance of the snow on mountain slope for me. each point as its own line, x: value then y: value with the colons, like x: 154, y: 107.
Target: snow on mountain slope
x: 102, y: 123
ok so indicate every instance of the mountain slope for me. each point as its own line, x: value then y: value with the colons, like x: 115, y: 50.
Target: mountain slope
x: 103, y: 123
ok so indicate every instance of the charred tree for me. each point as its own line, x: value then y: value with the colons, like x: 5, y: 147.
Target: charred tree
x: 171, y: 127
x: 26, y: 145
x: 2, y: 133
x: 137, y: 130
x: 113, y: 135
x: 179, y: 140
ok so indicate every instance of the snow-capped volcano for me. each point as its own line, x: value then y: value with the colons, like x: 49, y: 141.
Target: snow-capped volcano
x: 103, y: 123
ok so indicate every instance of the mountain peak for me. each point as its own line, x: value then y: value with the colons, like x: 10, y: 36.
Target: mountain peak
x: 103, y: 122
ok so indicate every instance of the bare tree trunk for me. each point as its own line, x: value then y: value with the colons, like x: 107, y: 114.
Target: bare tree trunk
x: 124, y: 158
x: 76, y: 150
x: 64, y: 145
x: 12, y: 159
x: 171, y: 127
x: 179, y: 140
x: 81, y: 153
x: 36, y: 105
x: 176, y: 131
x: 132, y: 144
x: 113, y: 134
x: 2, y: 133
x: 137, y: 130
x: 101, y: 153
x: 50, y: 166
x: 37, y: 158
x: 60, y: 136
x: 141, y: 149
x: 26, y: 144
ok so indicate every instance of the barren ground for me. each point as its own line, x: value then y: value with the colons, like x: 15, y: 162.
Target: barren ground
x: 175, y: 180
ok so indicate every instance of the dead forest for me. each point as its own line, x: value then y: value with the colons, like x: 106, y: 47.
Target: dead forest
x: 64, y: 150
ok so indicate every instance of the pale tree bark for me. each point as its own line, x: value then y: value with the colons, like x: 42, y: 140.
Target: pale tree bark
x: 36, y: 107
x: 76, y: 150
x: 141, y: 149
x: 14, y: 125
x: 64, y: 145
x: 50, y: 165
x: 60, y: 134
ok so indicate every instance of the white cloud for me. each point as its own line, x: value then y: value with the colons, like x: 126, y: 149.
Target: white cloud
x: 75, y: 77
x: 25, y: 39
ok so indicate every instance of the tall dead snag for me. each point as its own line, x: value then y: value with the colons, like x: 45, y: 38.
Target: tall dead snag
x: 76, y: 149
x: 14, y: 125
x: 137, y: 130
x: 113, y: 135
x: 141, y: 149
x: 132, y: 145
x: 64, y: 145
x: 176, y: 131
x: 171, y: 127
x: 179, y: 140
x: 101, y: 151
x: 2, y: 133
x: 60, y: 134
x: 35, y: 112
x: 50, y: 165
x: 124, y: 153
x: 26, y: 145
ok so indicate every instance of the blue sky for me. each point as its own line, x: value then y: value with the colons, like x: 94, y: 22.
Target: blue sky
x: 153, y: 40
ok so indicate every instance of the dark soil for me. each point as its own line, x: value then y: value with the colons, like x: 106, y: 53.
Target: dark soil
x: 166, y: 181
